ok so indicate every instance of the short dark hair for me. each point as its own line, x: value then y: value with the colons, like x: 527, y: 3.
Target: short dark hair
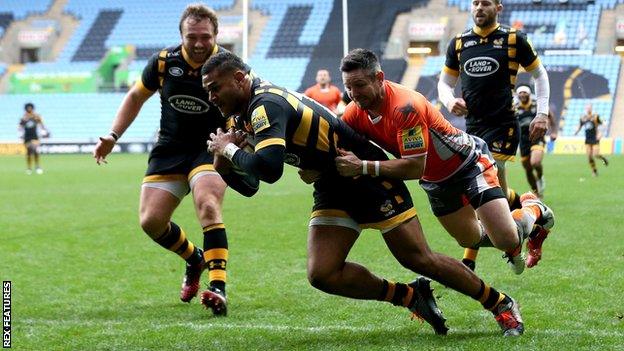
x: 29, y: 104
x: 224, y: 61
x: 360, y: 59
x: 200, y: 12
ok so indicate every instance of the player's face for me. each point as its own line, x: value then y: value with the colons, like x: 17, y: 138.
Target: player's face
x: 485, y: 12
x: 365, y: 90
x: 588, y: 109
x: 198, y: 38
x: 524, y: 97
x: 225, y: 91
x: 322, y: 77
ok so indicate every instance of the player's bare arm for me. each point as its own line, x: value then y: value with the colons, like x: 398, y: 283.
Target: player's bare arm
x: 349, y: 165
x: 129, y: 109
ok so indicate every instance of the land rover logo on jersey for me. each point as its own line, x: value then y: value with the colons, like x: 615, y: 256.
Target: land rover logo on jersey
x: 176, y: 71
x: 188, y: 104
x: 480, y: 66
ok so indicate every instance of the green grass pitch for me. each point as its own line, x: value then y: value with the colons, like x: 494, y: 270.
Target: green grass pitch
x: 85, y: 277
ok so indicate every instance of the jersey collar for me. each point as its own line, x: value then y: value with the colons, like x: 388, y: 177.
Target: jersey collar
x: 527, y: 105
x: 484, y: 32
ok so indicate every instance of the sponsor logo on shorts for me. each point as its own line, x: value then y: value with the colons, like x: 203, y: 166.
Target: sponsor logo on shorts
x: 387, y: 209
x: 481, y: 66
x: 292, y: 159
x: 188, y: 104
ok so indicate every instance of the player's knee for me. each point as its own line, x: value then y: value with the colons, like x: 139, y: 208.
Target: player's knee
x: 209, y: 209
x: 536, y: 164
x: 320, y: 278
x: 507, y: 242
x: 152, y: 225
x: 415, y: 259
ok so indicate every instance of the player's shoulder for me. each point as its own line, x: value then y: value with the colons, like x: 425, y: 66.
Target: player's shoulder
x: 401, y: 92
x: 266, y: 92
x: 466, y: 33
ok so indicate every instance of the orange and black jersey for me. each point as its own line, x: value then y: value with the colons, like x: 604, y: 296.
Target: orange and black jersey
x: 288, y: 127
x: 29, y: 123
x: 187, y: 117
x: 487, y: 63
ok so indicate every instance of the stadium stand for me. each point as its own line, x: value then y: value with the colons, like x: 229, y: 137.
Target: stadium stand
x: 380, y: 17
x: 300, y: 37
x: 77, y: 117
x: 574, y: 81
x: 293, y: 31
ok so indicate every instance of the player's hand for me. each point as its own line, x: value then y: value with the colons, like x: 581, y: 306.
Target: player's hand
x: 219, y: 140
x: 309, y: 176
x: 538, y: 127
x: 240, y: 137
x: 103, y: 148
x: 347, y: 164
x: 458, y: 107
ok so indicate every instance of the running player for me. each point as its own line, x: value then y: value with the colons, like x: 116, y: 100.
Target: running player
x: 29, y: 128
x: 532, y: 152
x: 486, y: 59
x: 179, y: 163
x: 591, y: 122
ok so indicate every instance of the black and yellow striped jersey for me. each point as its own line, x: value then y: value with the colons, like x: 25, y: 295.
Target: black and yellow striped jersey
x: 525, y: 114
x: 29, y: 123
x: 187, y: 116
x: 487, y: 62
x: 308, y: 131
x: 590, y: 123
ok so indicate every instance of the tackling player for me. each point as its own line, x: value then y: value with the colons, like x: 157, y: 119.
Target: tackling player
x: 287, y: 127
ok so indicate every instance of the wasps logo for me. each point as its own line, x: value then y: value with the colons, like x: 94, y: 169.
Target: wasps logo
x: 498, y: 43
x: 387, y: 209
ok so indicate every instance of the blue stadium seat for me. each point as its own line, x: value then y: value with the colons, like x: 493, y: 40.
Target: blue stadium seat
x: 78, y: 117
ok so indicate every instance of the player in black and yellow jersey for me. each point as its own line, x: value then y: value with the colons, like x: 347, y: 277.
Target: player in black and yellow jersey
x: 591, y: 122
x: 285, y: 127
x: 532, y: 152
x: 486, y: 59
x: 29, y: 126
x: 179, y: 162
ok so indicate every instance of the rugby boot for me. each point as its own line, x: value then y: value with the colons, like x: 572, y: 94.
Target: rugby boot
x: 425, y: 306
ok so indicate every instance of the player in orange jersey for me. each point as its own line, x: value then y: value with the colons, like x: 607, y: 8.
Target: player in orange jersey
x: 455, y: 169
x: 324, y: 92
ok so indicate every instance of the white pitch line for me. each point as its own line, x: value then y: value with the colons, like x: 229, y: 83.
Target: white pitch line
x: 282, y: 328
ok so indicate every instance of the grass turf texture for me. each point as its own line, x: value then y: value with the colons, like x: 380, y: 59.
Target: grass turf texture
x: 85, y: 277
